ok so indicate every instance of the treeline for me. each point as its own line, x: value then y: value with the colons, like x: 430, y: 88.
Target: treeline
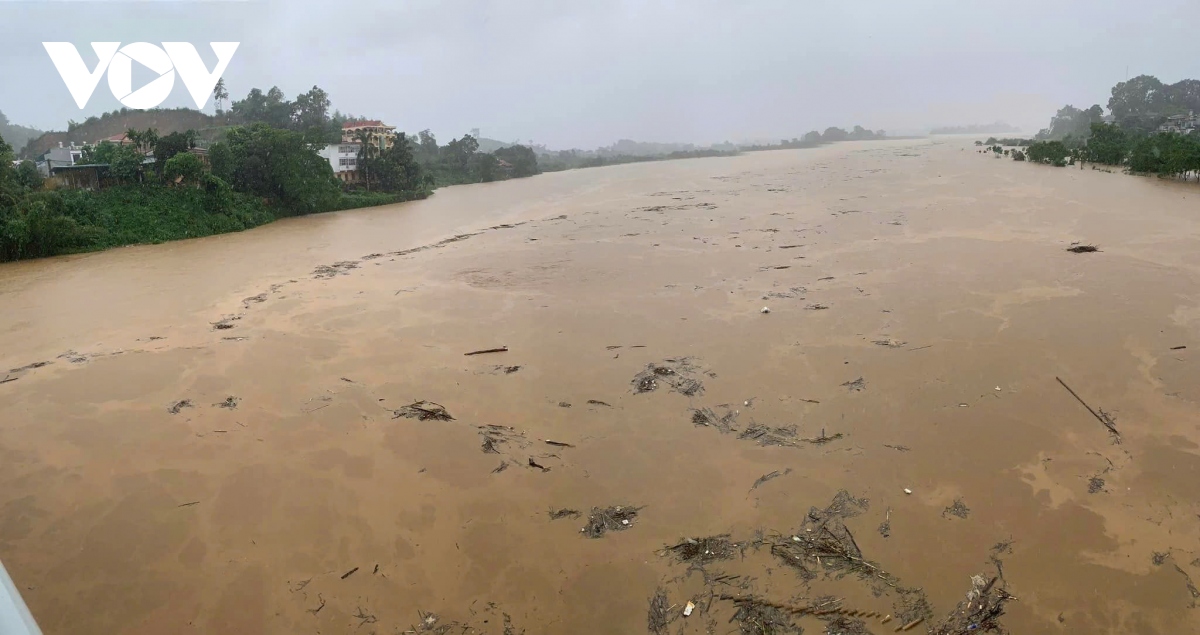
x: 1131, y: 139
x: 1138, y: 106
x: 263, y: 165
x: 573, y: 159
x: 257, y: 175
x: 1164, y: 154
x: 998, y: 126
x: 814, y: 139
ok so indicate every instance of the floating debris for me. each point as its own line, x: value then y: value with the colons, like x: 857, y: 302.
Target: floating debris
x: 1082, y: 249
x: 1159, y: 557
x: 900, y: 448
x: 756, y: 617
x: 601, y: 521
x: 500, y: 468
x: 179, y: 405
x: 495, y: 436
x: 958, y: 509
x: 766, y: 477
x: 857, y: 385
x: 535, y: 464
x: 817, y: 306
x: 979, y: 612
x: 556, y: 514
x: 658, y: 615
x: 1095, y: 485
x: 890, y: 343
x: 766, y: 435
x: 343, y: 267
x: 230, y: 403
x: 885, y: 527
x: 823, y: 439
x: 701, y: 551
x: 824, y: 543
x: 498, y: 349
x: 676, y: 373
x: 597, y: 402
x: 706, y: 417
x: 423, y: 411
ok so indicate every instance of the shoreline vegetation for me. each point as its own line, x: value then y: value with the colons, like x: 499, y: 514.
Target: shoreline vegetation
x: 1151, y: 129
x: 260, y: 164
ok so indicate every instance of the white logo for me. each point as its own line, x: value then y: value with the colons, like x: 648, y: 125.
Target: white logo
x: 118, y: 61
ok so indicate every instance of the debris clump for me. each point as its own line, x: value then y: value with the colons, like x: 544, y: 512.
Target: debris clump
x: 617, y: 518
x: 658, y: 615
x: 979, y: 612
x: 766, y: 435
x: 341, y: 268
x: 756, y: 617
x: 958, y: 509
x: 675, y: 373
x: 701, y: 551
x: 857, y: 385
x: 556, y: 514
x: 494, y: 436
x: 1082, y: 249
x: 423, y: 411
x: 1095, y: 485
x: 706, y: 417
x: 230, y: 403
x: 824, y: 543
x: 179, y: 405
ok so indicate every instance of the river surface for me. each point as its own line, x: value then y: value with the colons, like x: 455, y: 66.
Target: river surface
x: 217, y: 445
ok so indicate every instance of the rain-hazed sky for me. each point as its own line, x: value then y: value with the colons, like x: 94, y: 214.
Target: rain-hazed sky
x: 585, y: 73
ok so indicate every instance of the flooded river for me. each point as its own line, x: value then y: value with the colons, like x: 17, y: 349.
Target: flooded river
x: 244, y: 433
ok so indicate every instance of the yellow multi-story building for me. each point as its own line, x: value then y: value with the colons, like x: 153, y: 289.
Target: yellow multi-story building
x: 378, y: 134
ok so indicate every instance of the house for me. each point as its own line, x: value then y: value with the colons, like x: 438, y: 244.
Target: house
x: 343, y: 158
x: 80, y: 177
x: 1181, y: 124
x: 378, y: 134
x: 58, y: 157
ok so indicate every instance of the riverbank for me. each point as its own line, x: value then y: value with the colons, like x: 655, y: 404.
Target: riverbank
x: 232, y: 416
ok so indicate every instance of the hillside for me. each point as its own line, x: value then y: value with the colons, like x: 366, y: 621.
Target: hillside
x: 14, y: 135
x: 114, y: 123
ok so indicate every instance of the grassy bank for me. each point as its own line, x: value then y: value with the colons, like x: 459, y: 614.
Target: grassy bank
x: 55, y: 223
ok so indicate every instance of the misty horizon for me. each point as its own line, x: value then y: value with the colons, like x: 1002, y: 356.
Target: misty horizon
x: 587, y: 76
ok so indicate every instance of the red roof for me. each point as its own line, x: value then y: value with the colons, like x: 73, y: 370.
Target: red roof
x: 373, y: 123
x: 121, y: 138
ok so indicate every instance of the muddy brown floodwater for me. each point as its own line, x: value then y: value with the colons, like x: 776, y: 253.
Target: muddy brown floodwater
x: 279, y: 431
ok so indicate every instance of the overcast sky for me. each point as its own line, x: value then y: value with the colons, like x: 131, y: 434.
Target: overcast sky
x: 584, y: 73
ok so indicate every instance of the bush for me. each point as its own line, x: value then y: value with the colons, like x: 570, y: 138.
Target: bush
x: 184, y: 167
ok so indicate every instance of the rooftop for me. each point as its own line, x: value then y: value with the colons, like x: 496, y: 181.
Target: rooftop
x: 372, y: 123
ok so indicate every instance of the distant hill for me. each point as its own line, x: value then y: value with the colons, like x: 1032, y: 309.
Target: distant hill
x: 14, y: 135
x: 979, y: 128
x: 116, y: 122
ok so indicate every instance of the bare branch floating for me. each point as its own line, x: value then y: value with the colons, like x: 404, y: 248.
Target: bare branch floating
x: 500, y: 349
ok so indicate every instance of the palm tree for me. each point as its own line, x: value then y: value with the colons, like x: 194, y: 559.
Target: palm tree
x: 366, y: 154
x: 220, y: 95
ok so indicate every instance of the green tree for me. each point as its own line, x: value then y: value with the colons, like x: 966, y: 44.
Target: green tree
x: 220, y: 94
x: 280, y: 166
x: 396, y: 169
x: 185, y: 168
x: 125, y: 163
x: 28, y: 177
x: 310, y: 114
x: 522, y: 159
x: 220, y: 161
x: 167, y: 146
x: 1108, y: 144
x: 1142, y: 95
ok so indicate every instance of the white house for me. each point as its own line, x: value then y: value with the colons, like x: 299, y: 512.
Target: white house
x: 343, y: 158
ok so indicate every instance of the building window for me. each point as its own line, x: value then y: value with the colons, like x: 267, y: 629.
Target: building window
x: 342, y: 161
x: 352, y: 162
